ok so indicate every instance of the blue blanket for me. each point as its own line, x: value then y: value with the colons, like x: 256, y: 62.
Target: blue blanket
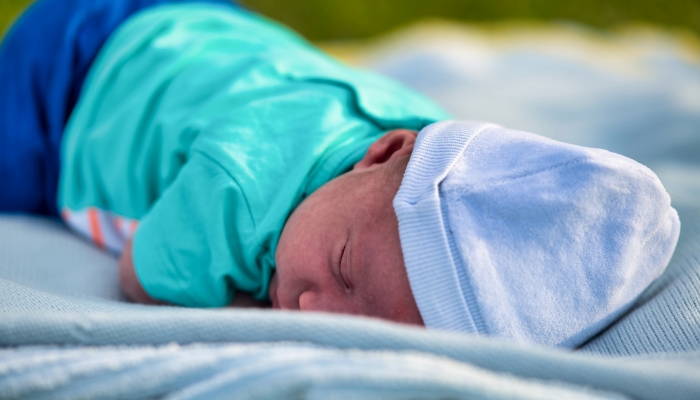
x: 66, y: 331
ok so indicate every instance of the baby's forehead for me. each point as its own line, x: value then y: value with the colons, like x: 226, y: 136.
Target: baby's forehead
x: 348, y: 194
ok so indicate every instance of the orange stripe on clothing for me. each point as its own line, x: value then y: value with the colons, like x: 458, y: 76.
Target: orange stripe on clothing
x: 134, y: 224
x: 65, y: 214
x: 95, y: 230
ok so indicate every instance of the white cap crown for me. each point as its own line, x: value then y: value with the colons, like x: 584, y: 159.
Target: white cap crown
x: 511, y: 234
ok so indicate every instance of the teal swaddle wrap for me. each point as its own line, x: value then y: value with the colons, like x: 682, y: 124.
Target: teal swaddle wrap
x: 206, y: 126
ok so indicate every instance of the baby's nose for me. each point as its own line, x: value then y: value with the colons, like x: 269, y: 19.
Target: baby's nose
x: 309, y: 301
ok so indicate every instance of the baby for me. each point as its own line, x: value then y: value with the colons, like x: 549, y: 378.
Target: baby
x: 340, y: 251
x: 220, y: 154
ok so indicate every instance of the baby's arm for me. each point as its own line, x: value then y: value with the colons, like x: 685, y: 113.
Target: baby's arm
x: 128, y: 280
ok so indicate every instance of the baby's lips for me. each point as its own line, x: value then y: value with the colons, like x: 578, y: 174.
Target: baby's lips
x: 275, y: 303
x: 272, y: 292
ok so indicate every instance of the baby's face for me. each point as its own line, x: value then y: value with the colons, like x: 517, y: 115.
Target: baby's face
x: 340, y: 252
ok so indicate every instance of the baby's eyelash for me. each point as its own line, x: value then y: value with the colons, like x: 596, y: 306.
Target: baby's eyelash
x: 340, y: 267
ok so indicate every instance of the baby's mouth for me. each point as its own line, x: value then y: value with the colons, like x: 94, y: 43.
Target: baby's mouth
x: 272, y: 292
x: 275, y: 303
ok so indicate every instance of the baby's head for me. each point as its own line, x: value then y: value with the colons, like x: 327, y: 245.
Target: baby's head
x: 340, y: 249
x: 486, y: 230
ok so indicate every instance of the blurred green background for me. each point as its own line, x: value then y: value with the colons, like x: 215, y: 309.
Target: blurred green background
x: 353, y: 19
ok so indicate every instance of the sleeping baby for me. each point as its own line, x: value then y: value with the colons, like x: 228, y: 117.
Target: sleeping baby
x: 223, y: 157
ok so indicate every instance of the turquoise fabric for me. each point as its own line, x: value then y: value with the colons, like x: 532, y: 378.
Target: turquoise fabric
x: 209, y: 125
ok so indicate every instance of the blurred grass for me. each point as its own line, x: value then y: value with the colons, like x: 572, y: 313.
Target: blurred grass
x: 9, y: 9
x: 351, y: 19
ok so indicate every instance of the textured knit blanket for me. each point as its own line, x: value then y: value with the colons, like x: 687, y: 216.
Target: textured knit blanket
x: 66, y: 331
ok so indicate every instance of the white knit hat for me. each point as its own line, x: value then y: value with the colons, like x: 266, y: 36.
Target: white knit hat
x: 510, y: 234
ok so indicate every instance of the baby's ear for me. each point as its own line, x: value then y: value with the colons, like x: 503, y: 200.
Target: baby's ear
x: 392, y: 145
